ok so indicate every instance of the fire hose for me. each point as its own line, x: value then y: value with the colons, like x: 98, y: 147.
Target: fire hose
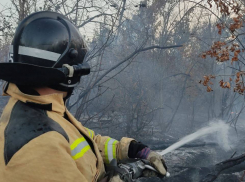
x: 130, y: 171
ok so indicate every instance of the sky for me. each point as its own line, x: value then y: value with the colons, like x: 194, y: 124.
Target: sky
x: 3, y: 2
x: 88, y: 29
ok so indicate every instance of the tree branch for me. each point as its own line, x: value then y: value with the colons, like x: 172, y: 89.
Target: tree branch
x: 159, y: 47
x: 126, y: 59
x: 218, y: 168
x: 90, y: 19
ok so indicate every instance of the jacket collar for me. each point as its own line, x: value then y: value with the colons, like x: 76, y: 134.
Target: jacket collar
x: 53, y: 102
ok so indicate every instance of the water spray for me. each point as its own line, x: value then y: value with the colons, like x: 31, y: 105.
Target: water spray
x: 219, y: 127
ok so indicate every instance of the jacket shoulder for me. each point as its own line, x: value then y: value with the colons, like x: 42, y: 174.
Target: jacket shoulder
x: 25, y: 124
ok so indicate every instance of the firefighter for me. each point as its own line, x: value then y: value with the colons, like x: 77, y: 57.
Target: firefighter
x: 40, y: 140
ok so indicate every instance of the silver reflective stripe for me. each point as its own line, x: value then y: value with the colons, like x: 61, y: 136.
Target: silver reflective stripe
x: 38, y: 53
x: 110, y: 150
x: 78, y: 148
x: 65, y: 85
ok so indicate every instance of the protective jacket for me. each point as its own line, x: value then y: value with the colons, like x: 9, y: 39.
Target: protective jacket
x: 41, y: 141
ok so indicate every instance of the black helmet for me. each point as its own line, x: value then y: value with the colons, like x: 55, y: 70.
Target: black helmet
x: 47, y: 50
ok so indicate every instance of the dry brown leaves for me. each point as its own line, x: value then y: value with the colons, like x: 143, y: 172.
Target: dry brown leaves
x: 207, y: 82
x: 239, y: 87
x: 216, y: 51
x: 220, y: 50
x: 220, y: 27
x: 224, y: 84
x: 239, y: 83
x: 238, y: 22
x: 226, y: 7
x: 221, y: 6
x: 236, y: 8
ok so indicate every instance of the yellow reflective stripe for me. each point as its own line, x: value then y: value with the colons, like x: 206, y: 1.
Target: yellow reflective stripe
x: 79, y: 147
x: 80, y: 154
x: 110, y: 150
x: 106, y: 150
x: 114, y: 149
x: 90, y: 132
x: 77, y: 141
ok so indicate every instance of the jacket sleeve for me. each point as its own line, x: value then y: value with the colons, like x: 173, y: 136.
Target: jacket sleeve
x: 45, y: 158
x: 111, y: 148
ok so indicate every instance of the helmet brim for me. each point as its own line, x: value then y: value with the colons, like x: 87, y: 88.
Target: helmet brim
x: 30, y: 75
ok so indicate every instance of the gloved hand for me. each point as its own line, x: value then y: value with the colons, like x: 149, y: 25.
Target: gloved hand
x: 157, y: 162
x: 154, y: 158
